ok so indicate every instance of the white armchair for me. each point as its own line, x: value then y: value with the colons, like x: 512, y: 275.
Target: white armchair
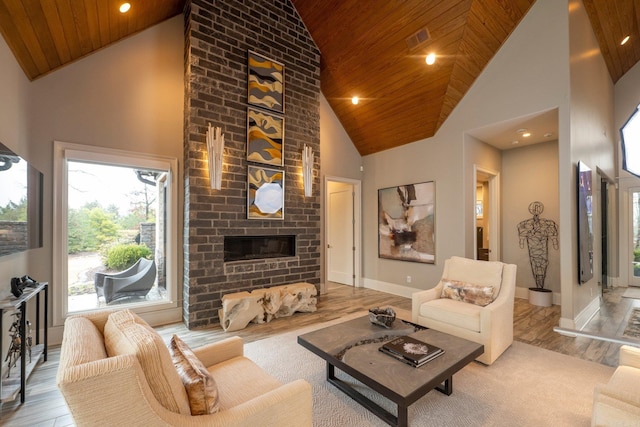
x: 617, y: 403
x: 116, y: 370
x: 454, y: 311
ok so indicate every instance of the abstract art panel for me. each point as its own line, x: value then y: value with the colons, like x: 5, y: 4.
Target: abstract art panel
x: 406, y: 223
x: 266, y: 82
x: 265, y: 193
x: 265, y: 137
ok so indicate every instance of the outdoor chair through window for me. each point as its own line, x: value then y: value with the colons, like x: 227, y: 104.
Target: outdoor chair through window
x: 137, y: 280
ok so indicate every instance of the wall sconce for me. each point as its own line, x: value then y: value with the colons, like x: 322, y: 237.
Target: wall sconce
x: 307, y: 170
x: 215, y: 150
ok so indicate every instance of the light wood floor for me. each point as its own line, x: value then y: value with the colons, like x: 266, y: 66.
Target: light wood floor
x: 533, y: 325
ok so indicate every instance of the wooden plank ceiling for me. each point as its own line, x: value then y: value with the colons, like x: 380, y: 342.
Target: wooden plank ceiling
x: 365, y: 54
x: 45, y: 35
x: 362, y: 43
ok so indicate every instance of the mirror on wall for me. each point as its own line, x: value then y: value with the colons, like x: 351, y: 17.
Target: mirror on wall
x: 20, y: 204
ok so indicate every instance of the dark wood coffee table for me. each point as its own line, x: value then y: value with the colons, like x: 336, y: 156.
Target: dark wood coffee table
x: 352, y: 347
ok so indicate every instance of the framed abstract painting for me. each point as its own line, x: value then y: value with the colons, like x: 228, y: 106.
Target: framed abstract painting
x: 266, y: 82
x: 265, y: 137
x: 406, y: 223
x: 265, y: 193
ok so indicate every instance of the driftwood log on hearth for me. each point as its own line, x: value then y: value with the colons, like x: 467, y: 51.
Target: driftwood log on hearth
x: 262, y: 305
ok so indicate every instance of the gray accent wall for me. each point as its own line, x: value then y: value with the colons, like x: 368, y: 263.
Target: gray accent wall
x: 218, y: 37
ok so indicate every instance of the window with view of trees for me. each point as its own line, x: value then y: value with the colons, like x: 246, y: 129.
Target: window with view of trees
x: 112, y: 223
x: 14, y: 211
x: 116, y: 244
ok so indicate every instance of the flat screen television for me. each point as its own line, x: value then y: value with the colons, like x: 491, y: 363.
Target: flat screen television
x: 585, y: 223
x: 20, y: 204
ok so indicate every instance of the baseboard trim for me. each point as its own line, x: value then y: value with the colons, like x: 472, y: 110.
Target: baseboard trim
x: 390, y: 288
x: 587, y: 313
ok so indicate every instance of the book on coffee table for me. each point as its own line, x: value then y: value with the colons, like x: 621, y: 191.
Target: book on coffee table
x: 411, y: 351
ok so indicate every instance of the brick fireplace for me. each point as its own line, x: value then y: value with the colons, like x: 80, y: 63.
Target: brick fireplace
x: 218, y: 35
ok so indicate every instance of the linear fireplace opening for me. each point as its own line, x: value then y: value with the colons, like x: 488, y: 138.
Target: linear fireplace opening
x: 239, y: 248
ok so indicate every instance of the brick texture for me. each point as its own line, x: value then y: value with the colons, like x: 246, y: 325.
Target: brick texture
x: 218, y: 35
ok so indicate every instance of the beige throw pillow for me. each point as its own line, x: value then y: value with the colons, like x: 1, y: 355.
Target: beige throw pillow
x: 201, y: 388
x: 467, y: 292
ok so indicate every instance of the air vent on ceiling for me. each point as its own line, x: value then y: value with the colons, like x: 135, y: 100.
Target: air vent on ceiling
x: 417, y: 39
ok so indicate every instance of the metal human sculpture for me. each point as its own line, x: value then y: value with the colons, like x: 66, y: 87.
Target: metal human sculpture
x: 14, y: 351
x: 536, y: 232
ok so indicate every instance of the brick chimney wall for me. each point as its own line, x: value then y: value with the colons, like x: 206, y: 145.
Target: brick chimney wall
x: 218, y: 35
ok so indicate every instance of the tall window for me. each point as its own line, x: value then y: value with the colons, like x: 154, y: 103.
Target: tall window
x: 115, y: 230
x: 630, y: 133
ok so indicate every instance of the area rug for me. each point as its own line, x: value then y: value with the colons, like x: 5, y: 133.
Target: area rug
x: 526, y: 386
x: 631, y: 292
x: 633, y: 326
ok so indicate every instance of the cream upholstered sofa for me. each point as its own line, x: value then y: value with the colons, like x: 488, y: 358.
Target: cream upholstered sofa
x: 617, y: 403
x: 455, y: 305
x: 116, y: 370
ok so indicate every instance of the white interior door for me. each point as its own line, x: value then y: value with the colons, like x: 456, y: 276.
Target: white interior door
x: 340, y: 244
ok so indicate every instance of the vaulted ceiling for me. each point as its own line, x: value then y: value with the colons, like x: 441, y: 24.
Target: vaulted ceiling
x: 373, y: 49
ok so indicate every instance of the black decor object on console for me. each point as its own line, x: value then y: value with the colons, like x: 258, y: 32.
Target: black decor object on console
x: 18, y: 284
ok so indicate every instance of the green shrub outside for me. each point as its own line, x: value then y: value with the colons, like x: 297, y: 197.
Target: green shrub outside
x: 636, y: 255
x: 121, y: 257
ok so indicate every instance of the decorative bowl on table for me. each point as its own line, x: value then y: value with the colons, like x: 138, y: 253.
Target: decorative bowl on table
x: 382, y: 316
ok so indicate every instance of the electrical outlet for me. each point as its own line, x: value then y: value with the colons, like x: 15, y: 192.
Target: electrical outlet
x: 408, y: 279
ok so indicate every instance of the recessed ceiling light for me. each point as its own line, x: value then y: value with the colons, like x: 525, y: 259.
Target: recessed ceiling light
x: 124, y: 7
x: 624, y: 40
x: 548, y: 135
x: 515, y: 142
x: 355, y: 100
x: 526, y: 134
x: 431, y: 58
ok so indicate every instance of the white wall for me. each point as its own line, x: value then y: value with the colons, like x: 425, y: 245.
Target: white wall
x: 14, y: 133
x: 591, y: 140
x: 128, y: 96
x: 530, y: 174
x: 339, y: 159
x: 528, y: 74
x: 338, y: 156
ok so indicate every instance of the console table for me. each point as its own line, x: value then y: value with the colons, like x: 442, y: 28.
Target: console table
x: 10, y: 387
